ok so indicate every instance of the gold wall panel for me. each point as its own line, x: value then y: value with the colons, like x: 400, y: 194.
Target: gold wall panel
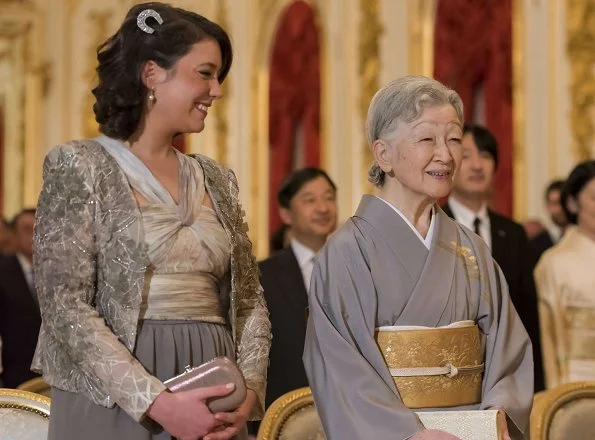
x: 370, y: 31
x: 580, y: 22
x: 99, y: 23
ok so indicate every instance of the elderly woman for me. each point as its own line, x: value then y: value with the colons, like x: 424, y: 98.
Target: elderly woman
x: 565, y: 280
x: 397, y: 273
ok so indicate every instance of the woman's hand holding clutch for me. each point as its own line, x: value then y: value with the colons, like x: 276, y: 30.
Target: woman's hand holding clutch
x: 185, y: 414
x: 433, y: 434
x: 235, y: 420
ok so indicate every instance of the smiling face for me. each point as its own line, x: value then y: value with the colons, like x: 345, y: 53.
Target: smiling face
x: 312, y: 212
x: 184, y: 94
x: 475, y: 177
x: 554, y: 208
x: 422, y: 161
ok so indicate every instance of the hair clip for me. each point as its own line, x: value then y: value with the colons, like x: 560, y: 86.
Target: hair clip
x: 141, y: 20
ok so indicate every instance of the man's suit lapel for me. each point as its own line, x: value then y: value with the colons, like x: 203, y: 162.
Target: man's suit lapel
x: 499, y: 235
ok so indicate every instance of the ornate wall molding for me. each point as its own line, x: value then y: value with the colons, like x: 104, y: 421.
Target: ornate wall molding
x: 221, y: 107
x: 99, y: 23
x: 422, y: 21
x: 580, y: 22
x: 370, y: 31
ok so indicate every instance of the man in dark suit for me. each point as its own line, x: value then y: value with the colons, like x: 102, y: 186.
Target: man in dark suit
x: 550, y: 236
x: 6, y: 240
x: 307, y: 204
x: 468, y: 204
x: 19, y: 310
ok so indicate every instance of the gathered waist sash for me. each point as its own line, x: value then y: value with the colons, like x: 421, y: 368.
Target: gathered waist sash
x: 434, y: 367
x: 186, y: 296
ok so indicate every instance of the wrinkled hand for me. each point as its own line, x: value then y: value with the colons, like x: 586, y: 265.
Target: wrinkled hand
x: 185, y: 414
x: 433, y: 434
x: 233, y: 421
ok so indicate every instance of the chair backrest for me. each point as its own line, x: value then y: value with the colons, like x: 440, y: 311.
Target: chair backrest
x: 564, y: 412
x: 36, y: 385
x: 292, y: 417
x: 23, y: 415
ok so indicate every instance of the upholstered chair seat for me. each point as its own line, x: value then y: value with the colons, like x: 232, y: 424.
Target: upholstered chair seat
x: 23, y: 415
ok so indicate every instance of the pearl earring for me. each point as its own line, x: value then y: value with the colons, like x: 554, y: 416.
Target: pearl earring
x: 152, y: 95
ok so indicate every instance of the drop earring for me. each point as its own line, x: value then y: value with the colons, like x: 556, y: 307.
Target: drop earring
x: 152, y: 95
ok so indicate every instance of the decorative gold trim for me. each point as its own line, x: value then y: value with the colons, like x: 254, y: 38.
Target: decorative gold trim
x: 370, y: 30
x: 25, y: 400
x: 281, y: 410
x: 580, y: 17
x: 422, y: 20
x: 519, y: 170
x: 554, y: 73
x: 547, y: 404
x: 222, y: 106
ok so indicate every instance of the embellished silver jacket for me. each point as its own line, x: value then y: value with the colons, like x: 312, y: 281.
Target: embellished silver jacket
x: 90, y: 272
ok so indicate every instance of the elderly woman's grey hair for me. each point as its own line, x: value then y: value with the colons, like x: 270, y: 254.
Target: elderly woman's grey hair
x: 404, y: 100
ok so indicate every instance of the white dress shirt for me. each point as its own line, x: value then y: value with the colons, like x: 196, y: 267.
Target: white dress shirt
x: 426, y: 241
x: 305, y: 257
x: 555, y: 232
x: 466, y: 217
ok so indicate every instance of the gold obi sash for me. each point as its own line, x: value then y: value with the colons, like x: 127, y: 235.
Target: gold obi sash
x: 434, y: 367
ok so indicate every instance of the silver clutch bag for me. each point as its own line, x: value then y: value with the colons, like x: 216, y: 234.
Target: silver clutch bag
x: 219, y: 371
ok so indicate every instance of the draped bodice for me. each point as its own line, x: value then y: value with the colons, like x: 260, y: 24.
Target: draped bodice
x: 187, y: 246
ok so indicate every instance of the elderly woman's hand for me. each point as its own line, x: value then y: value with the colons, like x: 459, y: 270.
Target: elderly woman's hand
x: 233, y: 421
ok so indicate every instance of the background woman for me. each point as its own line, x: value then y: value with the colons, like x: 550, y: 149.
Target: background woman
x: 566, y: 286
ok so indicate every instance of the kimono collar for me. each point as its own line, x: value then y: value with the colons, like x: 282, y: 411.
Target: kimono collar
x: 426, y: 241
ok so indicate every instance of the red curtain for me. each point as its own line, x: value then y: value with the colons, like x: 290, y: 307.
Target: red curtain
x: 294, y: 98
x: 473, y: 48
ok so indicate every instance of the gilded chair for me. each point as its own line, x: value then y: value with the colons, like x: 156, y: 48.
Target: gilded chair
x: 23, y: 415
x: 292, y: 416
x: 36, y: 385
x: 564, y: 412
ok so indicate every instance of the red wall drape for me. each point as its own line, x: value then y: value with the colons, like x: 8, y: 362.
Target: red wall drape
x: 294, y: 97
x: 473, y: 46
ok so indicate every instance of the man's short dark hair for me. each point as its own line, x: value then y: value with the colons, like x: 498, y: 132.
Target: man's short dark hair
x: 579, y: 177
x: 484, y: 139
x: 556, y: 185
x: 296, y: 181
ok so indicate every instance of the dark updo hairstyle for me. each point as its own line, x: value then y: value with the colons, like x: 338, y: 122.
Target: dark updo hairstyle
x: 579, y: 177
x: 120, y: 94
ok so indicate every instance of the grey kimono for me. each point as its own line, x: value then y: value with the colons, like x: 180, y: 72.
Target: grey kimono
x: 90, y: 273
x: 375, y: 271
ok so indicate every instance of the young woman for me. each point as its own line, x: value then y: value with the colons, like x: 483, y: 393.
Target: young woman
x: 142, y: 261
